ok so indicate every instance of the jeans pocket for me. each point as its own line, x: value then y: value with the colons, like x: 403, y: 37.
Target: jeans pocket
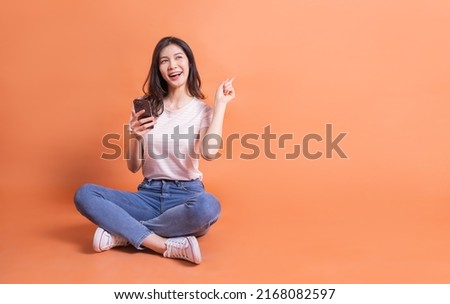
x: 147, y: 185
x: 192, y: 187
x: 141, y: 185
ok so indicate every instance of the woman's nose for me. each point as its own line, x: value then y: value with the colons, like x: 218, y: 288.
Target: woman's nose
x: 172, y: 64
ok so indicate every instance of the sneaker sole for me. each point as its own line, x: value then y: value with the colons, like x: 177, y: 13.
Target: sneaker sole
x: 195, y: 249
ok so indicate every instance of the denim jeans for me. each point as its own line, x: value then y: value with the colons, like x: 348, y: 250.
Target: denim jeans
x: 165, y: 207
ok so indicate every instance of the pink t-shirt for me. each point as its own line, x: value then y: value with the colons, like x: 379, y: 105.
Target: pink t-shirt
x: 171, y: 147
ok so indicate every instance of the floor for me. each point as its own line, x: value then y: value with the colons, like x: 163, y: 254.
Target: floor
x: 272, y: 236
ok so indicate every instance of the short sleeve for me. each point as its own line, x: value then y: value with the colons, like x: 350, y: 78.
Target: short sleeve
x: 206, y: 118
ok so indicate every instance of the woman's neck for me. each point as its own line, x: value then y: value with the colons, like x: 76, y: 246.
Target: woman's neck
x: 176, y: 99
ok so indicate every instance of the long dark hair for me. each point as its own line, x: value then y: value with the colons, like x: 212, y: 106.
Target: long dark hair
x: 155, y: 87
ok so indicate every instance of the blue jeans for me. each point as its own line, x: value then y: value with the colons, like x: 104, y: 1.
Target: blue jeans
x: 165, y: 207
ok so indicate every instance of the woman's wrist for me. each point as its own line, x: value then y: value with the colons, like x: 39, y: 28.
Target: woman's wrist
x: 220, y: 106
x: 133, y: 134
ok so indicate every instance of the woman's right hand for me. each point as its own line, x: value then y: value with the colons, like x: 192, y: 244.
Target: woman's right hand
x: 140, y: 127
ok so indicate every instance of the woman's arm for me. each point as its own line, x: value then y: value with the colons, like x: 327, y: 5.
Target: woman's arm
x: 211, y: 137
x: 138, y: 129
x: 133, y: 154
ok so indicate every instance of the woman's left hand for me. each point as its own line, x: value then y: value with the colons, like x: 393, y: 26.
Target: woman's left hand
x: 225, y: 92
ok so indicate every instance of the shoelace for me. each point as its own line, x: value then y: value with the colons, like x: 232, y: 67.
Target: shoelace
x: 176, y: 248
x: 118, y: 240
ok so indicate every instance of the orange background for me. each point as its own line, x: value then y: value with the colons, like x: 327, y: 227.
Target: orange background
x: 378, y: 70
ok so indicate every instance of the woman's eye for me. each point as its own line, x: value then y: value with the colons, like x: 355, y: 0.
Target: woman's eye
x: 163, y: 61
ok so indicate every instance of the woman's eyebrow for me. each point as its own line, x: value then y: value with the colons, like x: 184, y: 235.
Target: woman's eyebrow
x: 179, y: 53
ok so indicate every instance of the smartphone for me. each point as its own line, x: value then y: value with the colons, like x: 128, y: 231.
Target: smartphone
x: 143, y: 104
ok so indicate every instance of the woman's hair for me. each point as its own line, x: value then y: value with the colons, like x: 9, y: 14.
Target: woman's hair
x: 155, y: 87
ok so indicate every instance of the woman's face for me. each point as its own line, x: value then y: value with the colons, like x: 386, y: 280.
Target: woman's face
x: 174, y: 66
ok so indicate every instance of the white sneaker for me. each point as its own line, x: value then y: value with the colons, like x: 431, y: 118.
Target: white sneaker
x: 185, y: 248
x: 103, y: 240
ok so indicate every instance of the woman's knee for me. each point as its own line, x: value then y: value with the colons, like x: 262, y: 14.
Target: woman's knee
x: 83, y: 195
x: 208, y: 213
x: 209, y: 207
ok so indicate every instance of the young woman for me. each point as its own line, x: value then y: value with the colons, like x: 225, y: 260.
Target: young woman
x: 170, y: 207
